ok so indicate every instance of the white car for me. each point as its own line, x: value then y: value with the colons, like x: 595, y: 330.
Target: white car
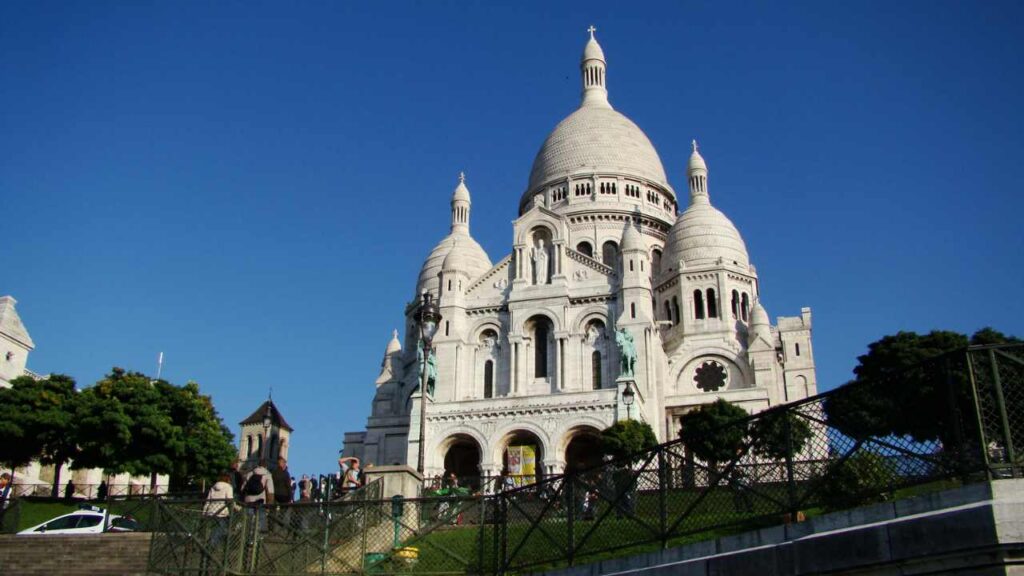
x: 87, y: 520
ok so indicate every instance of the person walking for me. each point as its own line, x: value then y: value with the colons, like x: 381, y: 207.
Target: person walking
x: 217, y: 510
x: 258, y: 491
x: 282, y: 492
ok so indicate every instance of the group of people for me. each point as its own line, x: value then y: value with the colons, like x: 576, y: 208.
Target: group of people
x: 261, y: 485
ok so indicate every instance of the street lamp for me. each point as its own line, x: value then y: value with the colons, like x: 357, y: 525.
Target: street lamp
x: 429, y: 318
x: 628, y: 395
x: 266, y: 434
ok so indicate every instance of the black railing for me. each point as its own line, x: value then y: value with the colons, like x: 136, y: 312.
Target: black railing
x: 858, y: 444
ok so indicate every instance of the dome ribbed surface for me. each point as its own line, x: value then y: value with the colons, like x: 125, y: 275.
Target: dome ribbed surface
x: 702, y: 235
x: 471, y: 258
x: 596, y: 139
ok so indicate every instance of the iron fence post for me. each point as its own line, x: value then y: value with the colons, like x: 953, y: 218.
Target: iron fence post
x: 482, y: 520
x: 787, y: 425
x: 1004, y: 419
x: 978, y: 417
x: 954, y: 413
x: 502, y: 555
x: 663, y: 498
x: 570, y: 513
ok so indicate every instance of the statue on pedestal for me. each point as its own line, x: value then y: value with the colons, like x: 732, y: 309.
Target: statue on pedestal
x: 627, y: 352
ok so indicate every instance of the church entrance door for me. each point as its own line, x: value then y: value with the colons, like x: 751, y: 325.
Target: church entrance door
x: 463, y: 459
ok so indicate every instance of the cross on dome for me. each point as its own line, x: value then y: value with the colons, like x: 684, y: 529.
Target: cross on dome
x: 591, y: 30
x: 694, y: 144
x: 462, y: 177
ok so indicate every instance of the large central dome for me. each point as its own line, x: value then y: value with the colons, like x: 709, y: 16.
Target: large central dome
x: 598, y: 149
x: 594, y: 139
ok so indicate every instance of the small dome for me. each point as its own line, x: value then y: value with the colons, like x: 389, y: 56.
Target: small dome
x: 696, y: 161
x: 457, y: 258
x: 759, y: 316
x: 475, y: 260
x: 632, y: 240
x: 593, y: 51
x: 461, y: 192
x: 394, y: 345
x: 593, y: 139
x: 702, y: 235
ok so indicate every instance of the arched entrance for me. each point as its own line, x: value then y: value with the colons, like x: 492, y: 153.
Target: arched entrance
x: 583, y: 450
x: 522, y: 457
x: 462, y: 458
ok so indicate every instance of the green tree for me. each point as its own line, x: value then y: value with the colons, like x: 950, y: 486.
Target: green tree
x: 714, y: 432
x: 626, y: 438
x: 37, y: 420
x: 208, y: 444
x: 863, y: 478
x: 769, y: 432
x: 896, y: 391
x: 154, y: 427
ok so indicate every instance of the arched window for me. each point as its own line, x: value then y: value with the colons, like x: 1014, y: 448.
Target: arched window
x: 698, y: 304
x: 595, y: 369
x: 540, y: 350
x: 668, y: 312
x: 259, y: 445
x: 656, y: 262
x: 675, y: 310
x: 632, y: 310
x: 489, y: 379
x: 248, y: 445
x: 585, y: 248
x: 712, y: 304
x: 744, y: 306
x: 631, y: 265
x: 735, y: 304
x: 796, y: 346
x: 610, y: 253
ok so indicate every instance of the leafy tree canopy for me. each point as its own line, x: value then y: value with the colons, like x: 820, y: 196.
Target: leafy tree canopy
x: 37, y: 420
x: 896, y: 392
x: 627, y: 437
x: 779, y: 434
x: 145, y: 426
x: 707, y: 434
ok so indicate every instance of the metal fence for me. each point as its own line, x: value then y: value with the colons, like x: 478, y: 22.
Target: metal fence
x: 954, y: 419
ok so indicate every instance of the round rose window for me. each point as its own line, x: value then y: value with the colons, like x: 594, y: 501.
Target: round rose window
x: 710, y: 376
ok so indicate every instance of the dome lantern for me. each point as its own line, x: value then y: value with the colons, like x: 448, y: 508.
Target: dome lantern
x: 460, y: 206
x: 697, y: 176
x: 592, y: 70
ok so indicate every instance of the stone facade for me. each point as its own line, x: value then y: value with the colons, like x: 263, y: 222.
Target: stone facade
x: 526, y: 350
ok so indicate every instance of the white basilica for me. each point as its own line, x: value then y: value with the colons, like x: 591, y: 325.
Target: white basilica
x: 526, y: 351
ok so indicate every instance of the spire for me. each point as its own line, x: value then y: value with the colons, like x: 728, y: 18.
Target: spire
x: 460, y: 206
x: 592, y: 70
x: 697, y: 176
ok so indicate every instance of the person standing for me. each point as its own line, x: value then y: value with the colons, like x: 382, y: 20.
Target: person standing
x: 258, y: 490
x: 305, y: 489
x: 282, y: 482
x: 237, y: 478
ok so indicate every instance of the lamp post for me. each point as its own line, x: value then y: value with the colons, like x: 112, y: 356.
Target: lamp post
x: 628, y: 395
x: 266, y: 434
x: 429, y: 318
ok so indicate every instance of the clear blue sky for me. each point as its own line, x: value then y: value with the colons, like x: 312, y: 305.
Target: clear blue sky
x: 252, y: 187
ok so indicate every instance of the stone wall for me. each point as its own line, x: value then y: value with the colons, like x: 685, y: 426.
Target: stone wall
x: 77, y: 555
x: 976, y: 530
